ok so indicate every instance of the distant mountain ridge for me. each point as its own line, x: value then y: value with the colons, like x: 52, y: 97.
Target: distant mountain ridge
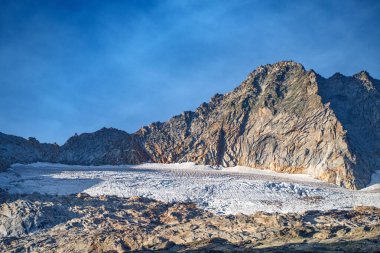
x: 281, y: 117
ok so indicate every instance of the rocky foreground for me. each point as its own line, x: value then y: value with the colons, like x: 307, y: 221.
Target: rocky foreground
x: 81, y: 223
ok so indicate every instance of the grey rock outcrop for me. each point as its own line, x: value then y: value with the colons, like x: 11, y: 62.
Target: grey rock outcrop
x: 356, y: 103
x: 14, y: 149
x: 281, y: 117
x: 106, y: 146
x: 43, y: 223
x: 22, y: 217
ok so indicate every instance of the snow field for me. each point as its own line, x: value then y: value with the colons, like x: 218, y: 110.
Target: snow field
x: 220, y: 190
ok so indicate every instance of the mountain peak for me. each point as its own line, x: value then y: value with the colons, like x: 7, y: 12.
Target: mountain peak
x: 276, y: 69
x: 276, y: 119
x: 363, y: 76
x: 289, y: 63
x: 281, y: 65
x: 337, y: 75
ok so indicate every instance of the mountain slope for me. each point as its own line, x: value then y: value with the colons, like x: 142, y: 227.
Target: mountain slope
x: 106, y: 146
x: 281, y: 117
x: 14, y: 149
x: 356, y: 103
x: 275, y: 119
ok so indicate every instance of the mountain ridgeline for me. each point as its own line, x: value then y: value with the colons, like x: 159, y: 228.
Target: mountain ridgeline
x: 281, y: 117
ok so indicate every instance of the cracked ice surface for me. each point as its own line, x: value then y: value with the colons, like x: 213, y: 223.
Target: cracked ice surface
x: 220, y: 190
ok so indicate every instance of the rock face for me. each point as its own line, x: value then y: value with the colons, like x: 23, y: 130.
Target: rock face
x: 284, y: 118
x: 356, y: 103
x: 281, y: 117
x: 106, y: 146
x: 43, y: 223
x: 15, y: 149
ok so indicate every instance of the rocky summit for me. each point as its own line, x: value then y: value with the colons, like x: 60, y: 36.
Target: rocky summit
x: 282, y: 117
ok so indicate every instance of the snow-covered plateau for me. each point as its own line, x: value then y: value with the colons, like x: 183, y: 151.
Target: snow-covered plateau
x: 220, y: 190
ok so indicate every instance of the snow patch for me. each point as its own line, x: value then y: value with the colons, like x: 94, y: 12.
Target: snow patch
x: 374, y: 185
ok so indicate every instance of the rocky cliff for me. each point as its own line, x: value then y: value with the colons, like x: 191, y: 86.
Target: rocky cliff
x: 281, y: 117
x: 106, y: 146
x: 284, y: 118
x: 14, y: 149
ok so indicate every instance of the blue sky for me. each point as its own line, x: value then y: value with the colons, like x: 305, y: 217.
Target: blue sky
x: 75, y: 66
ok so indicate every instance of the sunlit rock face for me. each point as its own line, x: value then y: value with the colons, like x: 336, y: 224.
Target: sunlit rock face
x: 281, y: 117
x: 284, y: 118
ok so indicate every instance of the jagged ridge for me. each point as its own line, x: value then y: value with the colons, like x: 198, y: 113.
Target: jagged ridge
x: 281, y: 117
